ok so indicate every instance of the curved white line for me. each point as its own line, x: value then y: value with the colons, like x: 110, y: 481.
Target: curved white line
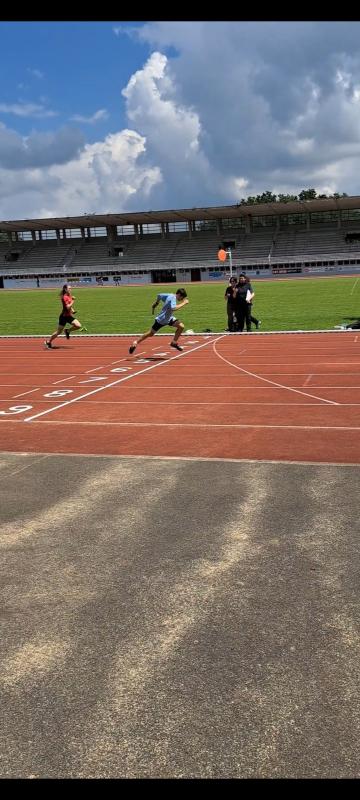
x: 273, y: 383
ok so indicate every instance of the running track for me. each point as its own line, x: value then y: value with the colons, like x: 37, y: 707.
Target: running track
x: 288, y: 397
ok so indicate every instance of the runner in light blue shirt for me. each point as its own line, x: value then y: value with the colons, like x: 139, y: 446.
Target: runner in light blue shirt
x: 171, y: 303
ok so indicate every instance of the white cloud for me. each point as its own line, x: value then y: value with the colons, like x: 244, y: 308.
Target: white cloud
x: 26, y: 110
x: 276, y: 102
x: 173, y: 131
x: 106, y: 176
x: 127, y: 30
x: 101, y: 114
x: 36, y: 73
x: 239, y: 108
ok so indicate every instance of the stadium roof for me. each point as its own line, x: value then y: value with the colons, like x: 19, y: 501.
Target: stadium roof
x: 181, y: 215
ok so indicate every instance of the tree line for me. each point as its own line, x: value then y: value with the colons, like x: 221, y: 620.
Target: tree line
x: 305, y: 194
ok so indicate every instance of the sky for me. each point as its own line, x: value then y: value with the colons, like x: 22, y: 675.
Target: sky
x: 105, y: 117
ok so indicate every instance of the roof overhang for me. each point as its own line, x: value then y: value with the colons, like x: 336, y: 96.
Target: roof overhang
x: 181, y: 215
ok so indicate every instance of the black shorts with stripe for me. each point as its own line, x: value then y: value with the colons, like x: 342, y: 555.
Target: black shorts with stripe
x: 157, y: 325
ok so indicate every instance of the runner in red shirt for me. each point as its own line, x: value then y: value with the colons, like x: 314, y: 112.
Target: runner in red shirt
x: 67, y: 316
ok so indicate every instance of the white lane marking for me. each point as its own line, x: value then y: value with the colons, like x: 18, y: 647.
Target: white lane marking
x: 308, y: 379
x: 206, y: 403
x: 24, y: 393
x: 94, y: 378
x: 280, y: 385
x: 198, y: 425
x: 195, y: 458
x: 354, y: 286
x: 63, y: 380
x: 110, y: 365
x: 115, y: 383
x: 237, y: 388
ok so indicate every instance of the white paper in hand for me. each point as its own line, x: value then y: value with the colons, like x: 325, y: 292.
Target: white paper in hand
x: 248, y: 296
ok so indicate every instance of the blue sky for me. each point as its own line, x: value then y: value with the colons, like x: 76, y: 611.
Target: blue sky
x: 116, y: 116
x: 78, y: 67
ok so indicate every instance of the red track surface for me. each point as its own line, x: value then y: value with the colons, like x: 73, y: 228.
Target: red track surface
x: 281, y: 397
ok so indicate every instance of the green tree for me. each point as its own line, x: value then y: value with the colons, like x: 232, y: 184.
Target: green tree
x: 287, y: 198
x: 307, y: 194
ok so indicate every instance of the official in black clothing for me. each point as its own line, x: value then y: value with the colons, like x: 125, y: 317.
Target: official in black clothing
x: 242, y: 306
x: 230, y: 297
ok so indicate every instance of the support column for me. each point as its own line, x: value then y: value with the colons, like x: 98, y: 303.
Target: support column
x: 111, y: 233
x: 64, y: 233
x: 190, y: 228
x: 339, y: 219
x: 219, y: 227
x: 248, y: 225
x: 40, y: 235
x: 308, y: 222
x: 57, y: 236
x: 163, y: 234
x: 82, y: 231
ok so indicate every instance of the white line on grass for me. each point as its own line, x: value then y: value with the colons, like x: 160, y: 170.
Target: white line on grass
x: 115, y: 383
x: 280, y: 385
x: 354, y: 286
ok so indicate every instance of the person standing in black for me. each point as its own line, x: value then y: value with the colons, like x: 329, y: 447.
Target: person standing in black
x: 254, y: 320
x: 230, y: 297
x: 242, y: 306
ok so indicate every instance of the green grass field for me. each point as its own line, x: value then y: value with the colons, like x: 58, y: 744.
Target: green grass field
x: 280, y: 304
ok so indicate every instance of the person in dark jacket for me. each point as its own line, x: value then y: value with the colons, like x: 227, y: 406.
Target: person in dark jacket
x: 230, y: 297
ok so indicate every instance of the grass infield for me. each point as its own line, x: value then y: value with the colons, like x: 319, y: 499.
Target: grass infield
x: 311, y: 304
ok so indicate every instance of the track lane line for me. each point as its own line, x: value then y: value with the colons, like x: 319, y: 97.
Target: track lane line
x: 120, y: 380
x: 197, y: 425
x: 281, y: 386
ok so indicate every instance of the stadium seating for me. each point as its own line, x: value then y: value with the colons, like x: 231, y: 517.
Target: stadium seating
x: 178, y: 250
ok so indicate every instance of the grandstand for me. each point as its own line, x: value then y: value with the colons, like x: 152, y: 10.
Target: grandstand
x: 321, y: 235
